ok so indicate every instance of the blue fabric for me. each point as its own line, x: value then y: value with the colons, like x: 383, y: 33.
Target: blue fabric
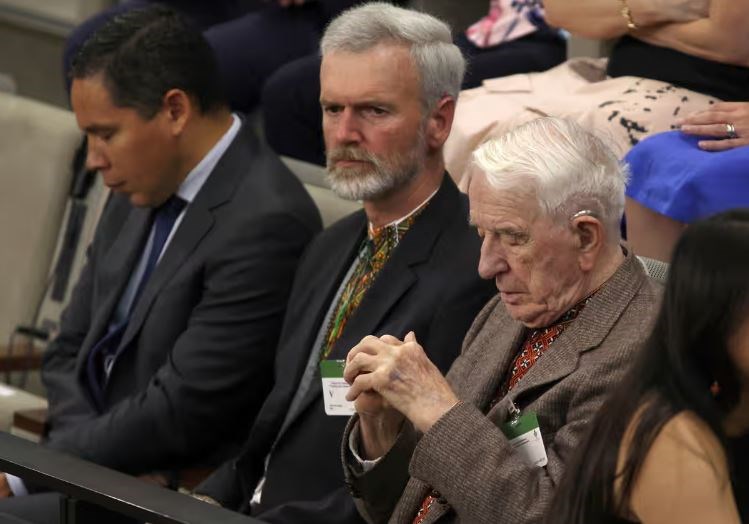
x: 675, y: 178
x: 164, y: 221
x: 102, y: 355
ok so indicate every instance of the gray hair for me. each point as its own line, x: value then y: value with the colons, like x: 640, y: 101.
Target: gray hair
x: 438, y: 61
x: 566, y: 167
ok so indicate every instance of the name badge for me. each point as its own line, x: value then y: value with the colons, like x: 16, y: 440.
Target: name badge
x: 334, y: 388
x: 525, y: 438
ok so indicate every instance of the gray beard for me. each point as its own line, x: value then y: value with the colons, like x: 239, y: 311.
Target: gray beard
x: 376, y: 179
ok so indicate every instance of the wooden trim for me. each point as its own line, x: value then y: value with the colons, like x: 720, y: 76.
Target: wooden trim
x: 31, y: 420
x: 20, y: 361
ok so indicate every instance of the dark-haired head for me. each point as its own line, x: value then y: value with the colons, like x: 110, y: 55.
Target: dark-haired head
x: 145, y: 91
x: 705, y: 303
x: 688, y: 364
x: 143, y: 53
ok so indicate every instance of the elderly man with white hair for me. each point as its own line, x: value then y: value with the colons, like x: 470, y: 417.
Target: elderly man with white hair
x: 489, y: 442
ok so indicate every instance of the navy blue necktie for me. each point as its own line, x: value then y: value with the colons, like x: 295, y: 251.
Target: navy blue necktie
x: 103, y: 354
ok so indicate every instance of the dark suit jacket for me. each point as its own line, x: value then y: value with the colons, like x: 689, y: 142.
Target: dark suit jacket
x: 465, y: 456
x: 199, y: 345
x: 429, y: 285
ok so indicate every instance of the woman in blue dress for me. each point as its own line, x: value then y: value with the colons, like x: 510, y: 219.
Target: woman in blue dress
x: 681, y: 176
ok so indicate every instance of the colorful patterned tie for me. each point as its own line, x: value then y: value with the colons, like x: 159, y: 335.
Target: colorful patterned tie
x: 373, y: 254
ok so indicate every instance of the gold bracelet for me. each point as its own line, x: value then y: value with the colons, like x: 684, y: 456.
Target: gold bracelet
x: 627, y: 14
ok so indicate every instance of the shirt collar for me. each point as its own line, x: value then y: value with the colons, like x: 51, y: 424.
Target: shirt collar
x: 569, y: 315
x: 372, y: 231
x: 195, y: 179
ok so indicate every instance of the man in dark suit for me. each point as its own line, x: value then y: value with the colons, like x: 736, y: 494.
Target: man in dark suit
x: 407, y: 261
x: 165, y: 351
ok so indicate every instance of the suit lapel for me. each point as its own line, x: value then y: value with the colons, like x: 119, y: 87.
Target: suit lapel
x: 498, y: 365
x: 115, y: 271
x: 339, y: 256
x: 392, y: 282
x: 315, y: 303
x: 588, y: 330
x: 400, y: 272
x: 487, y: 374
x: 366, y: 319
x: 196, y: 223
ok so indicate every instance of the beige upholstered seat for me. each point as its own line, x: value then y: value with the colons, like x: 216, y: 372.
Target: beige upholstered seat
x: 58, y: 17
x: 36, y: 147
x: 37, y: 142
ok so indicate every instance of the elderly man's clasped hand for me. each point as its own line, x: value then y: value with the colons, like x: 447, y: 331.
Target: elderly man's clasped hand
x: 391, y: 379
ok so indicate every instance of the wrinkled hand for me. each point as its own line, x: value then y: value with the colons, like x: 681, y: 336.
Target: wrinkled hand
x: 402, y: 375
x: 712, y: 123
x: 5, y: 490
x: 379, y: 423
x: 665, y: 11
x: 369, y: 403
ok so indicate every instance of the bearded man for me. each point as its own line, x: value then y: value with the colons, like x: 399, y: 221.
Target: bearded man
x: 406, y: 262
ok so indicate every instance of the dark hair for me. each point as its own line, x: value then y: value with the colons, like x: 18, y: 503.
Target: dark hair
x: 143, y: 53
x: 705, y: 301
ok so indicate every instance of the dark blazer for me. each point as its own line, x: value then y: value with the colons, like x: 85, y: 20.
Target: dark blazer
x: 198, y: 350
x: 429, y: 285
x: 465, y: 456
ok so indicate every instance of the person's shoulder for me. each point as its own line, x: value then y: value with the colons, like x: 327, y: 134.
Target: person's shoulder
x: 642, y: 309
x: 648, y: 289
x: 457, y: 241
x: 267, y: 187
x: 684, y: 476
x: 686, y: 439
x: 686, y: 429
x: 641, y: 296
x: 651, y: 291
x: 260, y: 171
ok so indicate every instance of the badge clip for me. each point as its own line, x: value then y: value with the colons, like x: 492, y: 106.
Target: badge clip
x: 514, y: 413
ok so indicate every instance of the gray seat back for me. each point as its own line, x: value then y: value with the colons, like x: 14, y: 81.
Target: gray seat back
x: 655, y: 269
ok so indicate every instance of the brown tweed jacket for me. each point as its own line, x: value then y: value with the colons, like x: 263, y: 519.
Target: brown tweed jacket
x: 465, y: 456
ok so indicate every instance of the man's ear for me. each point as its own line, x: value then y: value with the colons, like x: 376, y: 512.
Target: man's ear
x: 440, y: 121
x: 177, y: 108
x: 590, y: 236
